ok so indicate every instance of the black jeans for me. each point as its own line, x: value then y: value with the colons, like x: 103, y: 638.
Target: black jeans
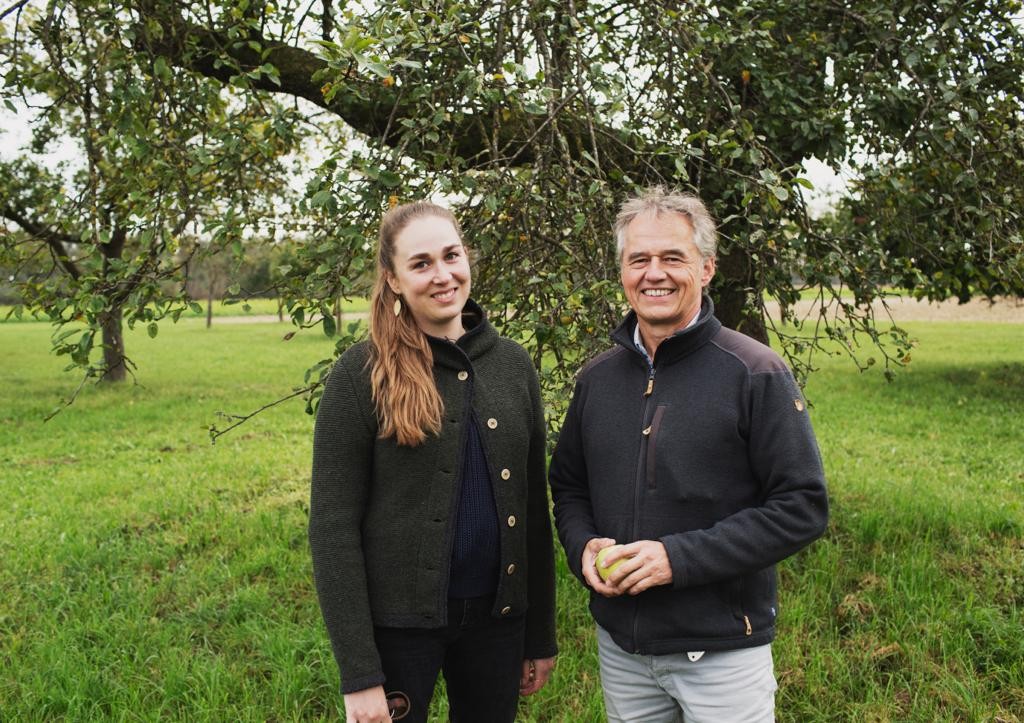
x: 481, y: 657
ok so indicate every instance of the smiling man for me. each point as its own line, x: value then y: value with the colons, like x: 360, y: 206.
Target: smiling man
x: 687, y: 449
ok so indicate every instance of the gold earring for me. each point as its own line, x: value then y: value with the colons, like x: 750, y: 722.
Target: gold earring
x: 398, y: 307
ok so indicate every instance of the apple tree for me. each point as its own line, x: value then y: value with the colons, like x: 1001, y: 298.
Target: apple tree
x: 149, y: 168
x: 535, y: 118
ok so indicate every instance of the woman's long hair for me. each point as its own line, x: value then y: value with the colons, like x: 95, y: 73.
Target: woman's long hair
x: 406, y: 399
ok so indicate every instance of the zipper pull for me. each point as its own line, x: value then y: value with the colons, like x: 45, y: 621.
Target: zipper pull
x: 647, y: 431
x: 650, y: 386
x: 750, y: 630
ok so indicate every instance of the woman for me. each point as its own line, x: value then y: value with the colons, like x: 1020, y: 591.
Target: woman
x: 429, y: 524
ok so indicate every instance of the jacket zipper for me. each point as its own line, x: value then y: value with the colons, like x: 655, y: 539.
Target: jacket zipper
x: 637, y: 489
x: 646, y: 430
x: 739, y: 609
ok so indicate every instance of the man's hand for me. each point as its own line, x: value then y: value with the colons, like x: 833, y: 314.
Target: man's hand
x: 645, y: 564
x: 590, y: 570
x: 367, y: 706
x: 535, y: 675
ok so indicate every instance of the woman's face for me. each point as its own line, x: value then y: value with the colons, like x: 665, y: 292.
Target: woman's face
x: 432, y: 275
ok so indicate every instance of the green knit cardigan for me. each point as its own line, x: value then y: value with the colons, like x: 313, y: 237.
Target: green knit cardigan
x: 381, y: 518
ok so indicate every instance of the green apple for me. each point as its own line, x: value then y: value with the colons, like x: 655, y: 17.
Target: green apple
x: 606, y: 571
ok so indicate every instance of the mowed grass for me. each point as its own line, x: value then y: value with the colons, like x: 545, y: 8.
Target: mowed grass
x: 148, y: 575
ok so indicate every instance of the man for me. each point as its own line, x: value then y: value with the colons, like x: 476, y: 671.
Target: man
x: 689, y: 445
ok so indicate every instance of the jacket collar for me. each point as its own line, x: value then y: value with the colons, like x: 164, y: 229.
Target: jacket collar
x: 480, y: 337
x: 679, y: 344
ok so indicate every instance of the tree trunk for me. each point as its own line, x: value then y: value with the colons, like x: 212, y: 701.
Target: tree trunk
x: 733, y: 280
x: 113, y: 347
x: 209, y: 305
x: 110, y: 322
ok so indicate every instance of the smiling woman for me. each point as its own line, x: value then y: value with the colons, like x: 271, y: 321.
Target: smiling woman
x: 431, y: 274
x: 416, y: 240
x: 430, y: 532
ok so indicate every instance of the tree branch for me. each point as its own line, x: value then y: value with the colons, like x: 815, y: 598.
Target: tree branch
x: 239, y: 419
x: 367, y: 109
x: 15, y: 7
x: 56, y: 241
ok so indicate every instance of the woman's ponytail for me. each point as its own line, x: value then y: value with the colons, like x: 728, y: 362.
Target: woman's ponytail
x: 405, y: 396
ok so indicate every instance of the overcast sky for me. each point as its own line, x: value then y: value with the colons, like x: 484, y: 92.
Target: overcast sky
x: 15, y: 135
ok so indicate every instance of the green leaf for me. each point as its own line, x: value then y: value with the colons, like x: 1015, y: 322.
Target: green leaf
x: 329, y: 325
x: 85, y: 342
x: 161, y: 70
x: 152, y: 329
x: 271, y: 72
x: 372, y: 65
x: 389, y: 179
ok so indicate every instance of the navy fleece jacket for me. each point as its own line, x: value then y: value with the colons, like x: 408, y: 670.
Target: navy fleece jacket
x: 712, y: 454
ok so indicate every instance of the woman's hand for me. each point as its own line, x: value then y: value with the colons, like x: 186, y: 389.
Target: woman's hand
x: 367, y: 706
x: 535, y: 675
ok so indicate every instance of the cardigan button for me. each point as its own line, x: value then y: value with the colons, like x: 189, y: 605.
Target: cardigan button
x: 463, y: 376
x: 506, y: 610
x: 505, y: 474
x: 511, y: 568
x: 511, y: 520
x: 492, y: 423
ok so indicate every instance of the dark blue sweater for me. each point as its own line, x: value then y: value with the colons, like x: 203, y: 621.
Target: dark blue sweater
x: 475, y: 549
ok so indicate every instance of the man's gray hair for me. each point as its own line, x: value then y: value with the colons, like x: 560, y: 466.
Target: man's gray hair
x: 658, y: 200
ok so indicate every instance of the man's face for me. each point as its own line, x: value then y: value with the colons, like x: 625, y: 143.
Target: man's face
x: 663, y: 273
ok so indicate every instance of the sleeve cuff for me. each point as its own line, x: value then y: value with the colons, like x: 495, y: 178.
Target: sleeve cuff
x: 354, y: 685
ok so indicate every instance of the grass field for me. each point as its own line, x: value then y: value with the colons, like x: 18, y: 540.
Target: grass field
x: 149, y: 575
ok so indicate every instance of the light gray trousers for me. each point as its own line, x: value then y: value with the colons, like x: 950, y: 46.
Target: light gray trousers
x: 731, y: 686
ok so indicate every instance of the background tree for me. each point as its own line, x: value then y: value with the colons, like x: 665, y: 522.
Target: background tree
x: 229, y: 279
x: 161, y: 151
x: 535, y: 118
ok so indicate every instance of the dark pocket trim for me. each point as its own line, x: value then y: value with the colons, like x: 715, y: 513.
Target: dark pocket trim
x: 652, y: 445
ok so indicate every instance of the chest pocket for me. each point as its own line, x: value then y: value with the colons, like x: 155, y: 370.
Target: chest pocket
x: 651, y: 476
x: 692, y: 454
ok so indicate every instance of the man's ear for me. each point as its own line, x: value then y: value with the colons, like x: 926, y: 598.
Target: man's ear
x: 707, y: 271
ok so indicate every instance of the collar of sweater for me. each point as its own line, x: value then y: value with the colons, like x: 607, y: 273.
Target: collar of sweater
x: 679, y: 344
x: 480, y: 337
